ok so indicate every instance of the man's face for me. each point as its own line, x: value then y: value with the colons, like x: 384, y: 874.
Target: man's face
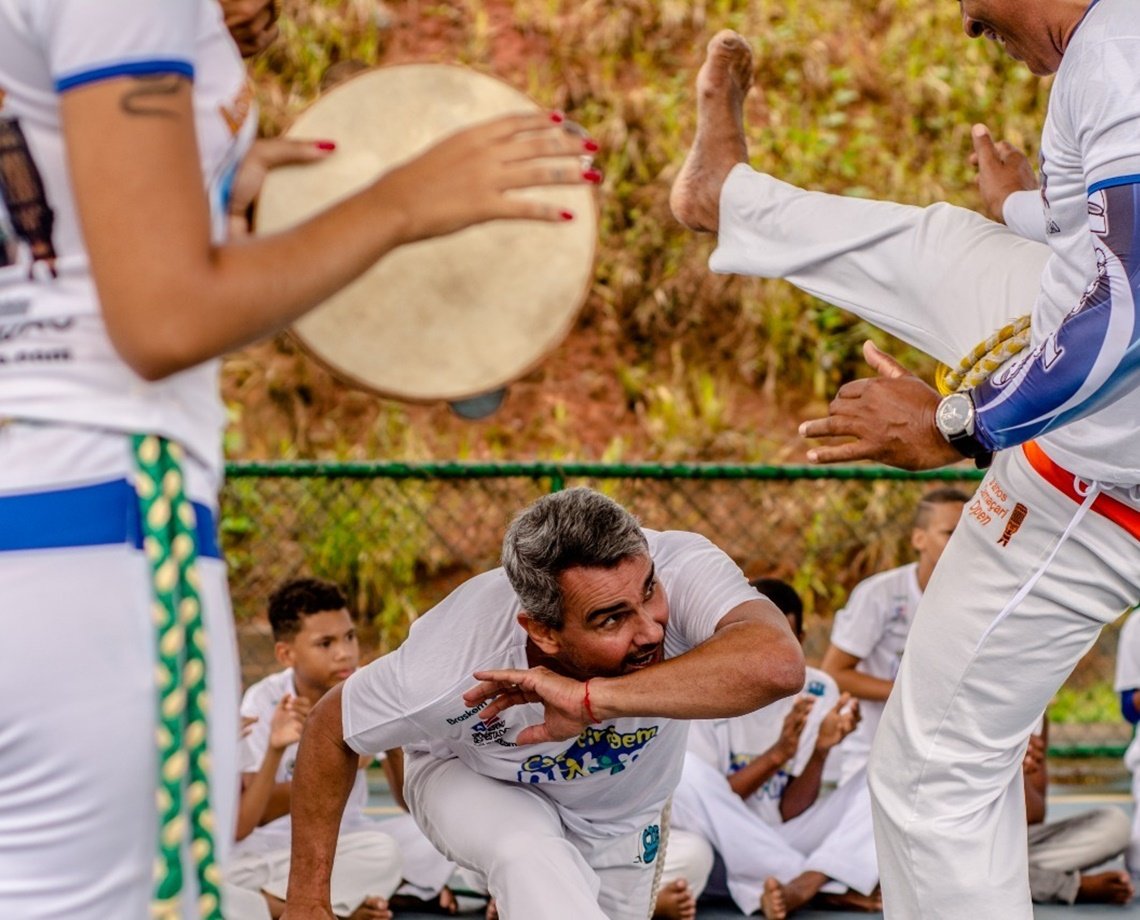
x: 931, y: 540
x: 1024, y: 28
x: 614, y: 619
x: 324, y: 652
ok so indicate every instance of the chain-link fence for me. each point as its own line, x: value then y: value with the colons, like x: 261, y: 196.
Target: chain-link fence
x: 399, y: 537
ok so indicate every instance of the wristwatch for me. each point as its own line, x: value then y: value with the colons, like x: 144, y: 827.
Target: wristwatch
x: 955, y: 417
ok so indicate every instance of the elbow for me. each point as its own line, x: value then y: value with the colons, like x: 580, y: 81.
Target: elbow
x: 783, y: 673
x: 157, y: 354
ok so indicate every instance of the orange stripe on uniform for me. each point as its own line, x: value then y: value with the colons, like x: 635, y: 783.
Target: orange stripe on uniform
x: 1061, y: 479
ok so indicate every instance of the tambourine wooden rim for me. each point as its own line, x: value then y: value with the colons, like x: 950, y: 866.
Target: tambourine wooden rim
x: 444, y: 319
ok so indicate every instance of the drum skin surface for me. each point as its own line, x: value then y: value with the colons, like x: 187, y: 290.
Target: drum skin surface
x: 442, y: 319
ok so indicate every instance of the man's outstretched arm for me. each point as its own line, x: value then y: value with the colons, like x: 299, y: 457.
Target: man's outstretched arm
x: 1090, y: 360
x: 323, y: 778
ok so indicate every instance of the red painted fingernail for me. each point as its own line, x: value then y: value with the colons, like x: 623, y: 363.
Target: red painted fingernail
x: 557, y: 117
x: 592, y: 175
x: 326, y: 145
x: 566, y: 215
x: 590, y: 146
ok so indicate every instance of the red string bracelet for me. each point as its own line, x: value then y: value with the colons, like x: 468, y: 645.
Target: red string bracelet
x: 586, y: 704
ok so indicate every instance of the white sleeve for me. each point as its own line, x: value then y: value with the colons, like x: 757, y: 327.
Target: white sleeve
x: 708, y: 740
x: 1105, y: 111
x: 1128, y: 655
x: 85, y: 41
x: 859, y: 626
x: 1024, y: 214
x: 374, y: 711
x: 252, y: 748
x: 702, y: 585
x: 823, y: 689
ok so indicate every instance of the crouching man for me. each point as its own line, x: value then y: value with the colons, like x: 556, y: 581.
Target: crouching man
x: 543, y: 707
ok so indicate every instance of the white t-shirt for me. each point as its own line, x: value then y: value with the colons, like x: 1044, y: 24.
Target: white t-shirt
x: 56, y: 360
x: 1091, y: 137
x: 260, y: 701
x: 730, y: 745
x: 873, y: 627
x: 1128, y: 677
x: 615, y: 777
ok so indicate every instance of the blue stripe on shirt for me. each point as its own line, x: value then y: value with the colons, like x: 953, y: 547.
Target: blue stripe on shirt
x: 124, y: 69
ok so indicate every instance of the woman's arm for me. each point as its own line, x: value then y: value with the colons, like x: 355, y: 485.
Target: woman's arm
x: 172, y: 299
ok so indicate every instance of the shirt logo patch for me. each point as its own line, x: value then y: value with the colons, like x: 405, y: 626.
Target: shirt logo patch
x: 596, y: 750
x: 1013, y: 525
x: 488, y: 731
x: 650, y: 844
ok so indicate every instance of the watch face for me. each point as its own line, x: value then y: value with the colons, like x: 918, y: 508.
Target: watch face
x: 954, y: 414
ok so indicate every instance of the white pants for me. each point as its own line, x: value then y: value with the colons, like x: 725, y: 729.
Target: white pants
x: 690, y: 856
x: 511, y: 834
x: 366, y: 864
x: 1132, y: 854
x: 1060, y: 850
x: 834, y: 836
x: 78, y: 759
x: 946, y: 763
x: 426, y: 871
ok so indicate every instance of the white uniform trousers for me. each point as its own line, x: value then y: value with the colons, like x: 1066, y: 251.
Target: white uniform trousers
x: 426, y: 870
x: 690, y: 856
x: 366, y: 864
x: 834, y: 836
x: 511, y: 834
x: 78, y: 757
x: 1132, y: 854
x: 1060, y: 850
x: 982, y: 659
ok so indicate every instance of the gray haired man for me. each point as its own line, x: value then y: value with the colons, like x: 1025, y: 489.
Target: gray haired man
x: 540, y: 705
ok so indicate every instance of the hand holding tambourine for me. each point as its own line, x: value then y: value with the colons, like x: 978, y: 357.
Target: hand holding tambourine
x: 456, y: 317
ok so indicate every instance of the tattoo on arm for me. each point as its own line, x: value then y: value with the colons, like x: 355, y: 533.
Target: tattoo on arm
x: 146, y: 95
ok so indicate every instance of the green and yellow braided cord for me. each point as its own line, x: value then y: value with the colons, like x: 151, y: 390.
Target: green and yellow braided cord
x: 986, y: 357
x: 170, y: 542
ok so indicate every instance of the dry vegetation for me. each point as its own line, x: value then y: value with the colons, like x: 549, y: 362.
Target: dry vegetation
x: 857, y: 97
x: 667, y: 362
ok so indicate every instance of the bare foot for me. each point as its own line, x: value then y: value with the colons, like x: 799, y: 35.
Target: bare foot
x: 675, y: 901
x: 722, y: 84
x: 372, y: 909
x: 1106, y: 888
x: 852, y: 901
x: 772, y: 901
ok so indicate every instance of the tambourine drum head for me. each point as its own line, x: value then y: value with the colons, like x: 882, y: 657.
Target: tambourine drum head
x: 448, y: 318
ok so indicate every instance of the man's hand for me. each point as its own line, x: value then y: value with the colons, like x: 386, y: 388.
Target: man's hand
x: 789, y: 741
x: 1034, y: 755
x: 891, y: 417
x: 252, y: 23
x: 561, y: 697
x: 288, y: 721
x: 838, y: 723
x: 1002, y: 170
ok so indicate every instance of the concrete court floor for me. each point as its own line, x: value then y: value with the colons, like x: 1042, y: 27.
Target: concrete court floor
x: 1062, y: 803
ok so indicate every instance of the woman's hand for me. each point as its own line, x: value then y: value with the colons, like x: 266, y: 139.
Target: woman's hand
x: 263, y: 156
x: 471, y: 177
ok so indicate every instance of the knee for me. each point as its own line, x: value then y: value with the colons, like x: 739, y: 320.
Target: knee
x: 1113, y: 827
